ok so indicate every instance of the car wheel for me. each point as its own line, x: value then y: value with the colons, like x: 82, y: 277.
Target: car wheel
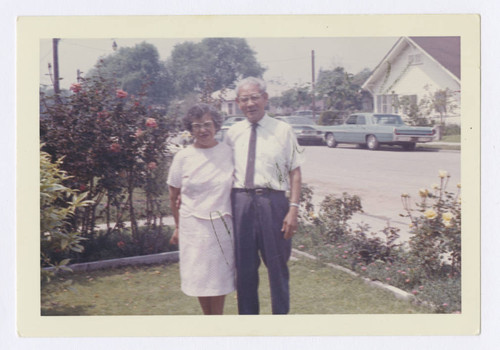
x: 372, y: 142
x: 410, y: 146
x: 330, y: 140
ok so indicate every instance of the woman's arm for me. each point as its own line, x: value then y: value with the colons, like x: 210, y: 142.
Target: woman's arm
x: 173, y: 195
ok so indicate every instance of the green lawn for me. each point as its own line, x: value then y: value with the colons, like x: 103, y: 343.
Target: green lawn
x: 155, y: 290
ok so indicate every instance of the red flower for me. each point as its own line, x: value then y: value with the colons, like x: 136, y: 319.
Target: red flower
x: 102, y: 115
x: 115, y: 148
x: 152, y: 165
x: 121, y: 244
x: 76, y: 87
x: 151, y: 123
x: 121, y: 94
x: 136, y: 103
x: 83, y: 187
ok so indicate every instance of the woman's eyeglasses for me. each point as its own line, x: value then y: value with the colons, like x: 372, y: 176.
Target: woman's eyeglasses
x: 205, y: 125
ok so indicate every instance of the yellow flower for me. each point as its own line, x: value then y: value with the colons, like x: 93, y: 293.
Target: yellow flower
x: 447, y: 223
x: 447, y: 216
x: 430, y: 214
x: 443, y: 174
x: 405, y: 195
x: 423, y: 192
x: 435, y: 187
x: 459, y: 185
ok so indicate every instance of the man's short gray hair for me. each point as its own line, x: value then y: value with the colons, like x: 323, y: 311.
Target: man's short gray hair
x: 260, y: 83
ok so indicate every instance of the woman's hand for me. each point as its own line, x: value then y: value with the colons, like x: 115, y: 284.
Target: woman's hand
x: 175, y: 237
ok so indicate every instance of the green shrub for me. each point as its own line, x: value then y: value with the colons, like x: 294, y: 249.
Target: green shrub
x: 58, y: 204
x: 451, y: 129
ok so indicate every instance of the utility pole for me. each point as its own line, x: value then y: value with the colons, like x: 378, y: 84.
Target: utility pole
x: 313, y: 91
x: 56, y: 66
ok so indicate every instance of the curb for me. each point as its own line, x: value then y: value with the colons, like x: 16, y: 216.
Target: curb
x: 399, y: 293
x: 133, y: 260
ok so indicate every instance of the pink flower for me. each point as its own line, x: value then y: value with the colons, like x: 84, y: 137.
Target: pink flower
x: 421, y: 287
x: 344, y: 256
x: 301, y: 246
x: 136, y: 103
x: 388, y: 279
x: 152, y: 165
x: 403, y: 272
x: 151, y: 123
x: 76, y: 87
x: 345, y: 251
x: 414, y: 292
x: 407, y: 280
x: 363, y: 268
x: 121, y: 94
x: 115, y: 148
x: 139, y: 133
x: 445, y: 304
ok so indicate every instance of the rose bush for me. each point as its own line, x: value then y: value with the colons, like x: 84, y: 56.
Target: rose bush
x: 114, y: 146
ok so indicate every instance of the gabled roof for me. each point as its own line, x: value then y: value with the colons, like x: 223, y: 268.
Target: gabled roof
x: 444, y: 49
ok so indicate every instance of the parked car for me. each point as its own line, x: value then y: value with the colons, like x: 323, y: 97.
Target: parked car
x: 305, y: 129
x: 372, y: 130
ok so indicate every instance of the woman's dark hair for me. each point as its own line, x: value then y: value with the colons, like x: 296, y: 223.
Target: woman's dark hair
x: 198, y: 111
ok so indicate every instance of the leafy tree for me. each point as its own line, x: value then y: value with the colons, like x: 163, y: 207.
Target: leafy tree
x: 339, y: 90
x: 215, y: 61
x: 296, y: 97
x: 138, y: 70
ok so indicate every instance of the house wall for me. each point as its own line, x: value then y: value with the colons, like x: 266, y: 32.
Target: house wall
x: 420, y: 78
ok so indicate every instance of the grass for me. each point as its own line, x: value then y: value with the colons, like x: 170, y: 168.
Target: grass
x: 155, y: 290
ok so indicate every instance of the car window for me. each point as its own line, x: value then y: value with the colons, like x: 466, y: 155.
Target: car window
x: 388, y: 119
x: 361, y: 120
x: 352, y: 119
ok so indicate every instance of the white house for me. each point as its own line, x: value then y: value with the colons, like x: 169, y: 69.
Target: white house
x: 418, y: 67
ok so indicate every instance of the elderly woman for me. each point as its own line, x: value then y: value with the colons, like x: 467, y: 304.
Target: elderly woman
x: 202, y: 175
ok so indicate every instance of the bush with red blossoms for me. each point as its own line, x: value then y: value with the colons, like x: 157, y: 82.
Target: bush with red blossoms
x: 113, y: 145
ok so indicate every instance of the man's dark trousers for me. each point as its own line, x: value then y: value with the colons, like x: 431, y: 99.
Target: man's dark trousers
x: 258, y: 218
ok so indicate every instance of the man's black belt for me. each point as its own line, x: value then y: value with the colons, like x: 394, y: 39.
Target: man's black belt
x: 257, y: 191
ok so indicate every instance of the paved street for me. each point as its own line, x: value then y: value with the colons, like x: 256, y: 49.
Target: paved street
x: 378, y: 177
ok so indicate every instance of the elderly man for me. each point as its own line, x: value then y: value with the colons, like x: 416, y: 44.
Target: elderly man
x: 267, y: 164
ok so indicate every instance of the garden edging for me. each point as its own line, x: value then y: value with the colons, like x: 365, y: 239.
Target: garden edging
x: 174, y: 257
x: 133, y: 260
x: 399, y: 293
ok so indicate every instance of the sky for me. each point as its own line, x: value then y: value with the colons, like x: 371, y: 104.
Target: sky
x: 288, y: 60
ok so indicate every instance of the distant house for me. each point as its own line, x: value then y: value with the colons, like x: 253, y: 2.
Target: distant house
x: 418, y: 68
x: 228, y: 106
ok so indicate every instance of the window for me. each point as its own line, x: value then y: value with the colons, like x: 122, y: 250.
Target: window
x: 385, y: 103
x: 361, y: 120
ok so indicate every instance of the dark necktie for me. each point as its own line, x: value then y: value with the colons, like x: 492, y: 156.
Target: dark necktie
x: 249, y: 175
